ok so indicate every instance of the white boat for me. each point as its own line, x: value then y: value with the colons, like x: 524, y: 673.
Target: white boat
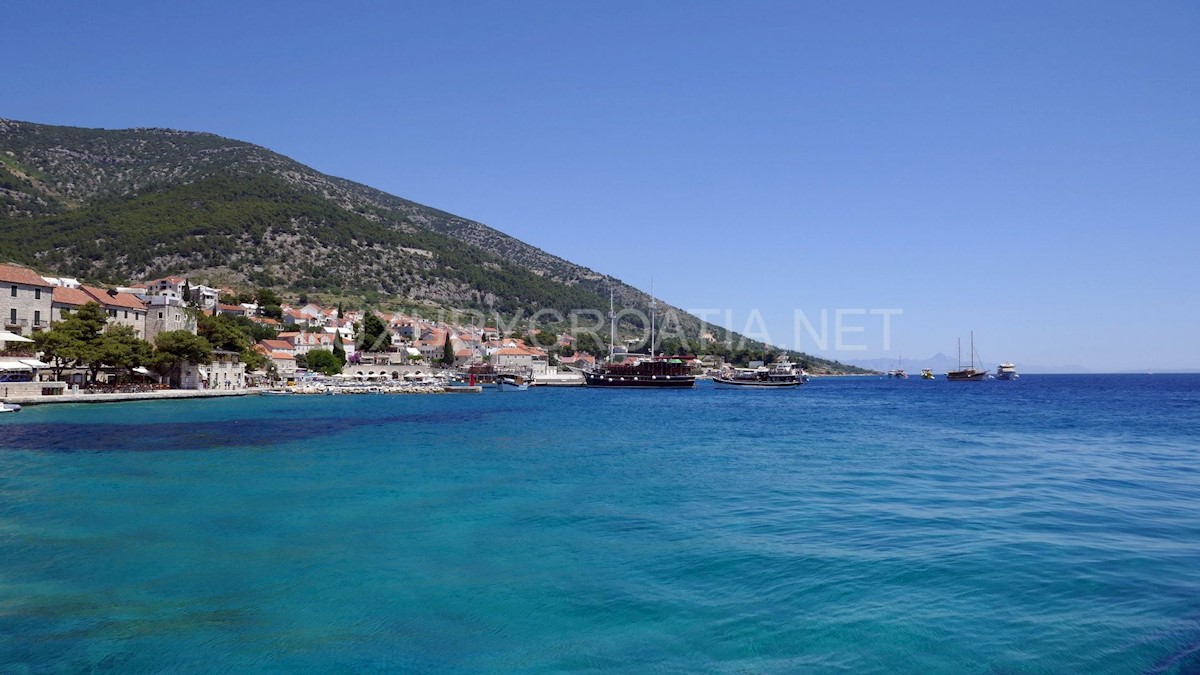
x: 1006, y: 371
x: 782, y: 374
x: 9, y: 407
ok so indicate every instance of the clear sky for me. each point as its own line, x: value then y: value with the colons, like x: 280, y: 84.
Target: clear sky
x: 1028, y: 170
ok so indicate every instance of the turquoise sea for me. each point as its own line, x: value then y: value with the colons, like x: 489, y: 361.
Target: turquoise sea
x: 857, y: 525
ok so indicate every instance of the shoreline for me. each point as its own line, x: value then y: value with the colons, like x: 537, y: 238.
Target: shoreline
x: 120, y: 397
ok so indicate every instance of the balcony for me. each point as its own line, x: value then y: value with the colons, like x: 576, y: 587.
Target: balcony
x: 17, y: 324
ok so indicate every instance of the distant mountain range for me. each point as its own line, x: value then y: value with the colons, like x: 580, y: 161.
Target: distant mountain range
x: 940, y: 363
x: 114, y: 206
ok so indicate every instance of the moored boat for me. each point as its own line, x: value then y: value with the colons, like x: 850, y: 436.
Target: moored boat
x: 970, y: 373
x: 782, y: 374
x: 511, y: 383
x: 927, y: 374
x: 1006, y: 371
x: 636, y: 371
x: 654, y: 372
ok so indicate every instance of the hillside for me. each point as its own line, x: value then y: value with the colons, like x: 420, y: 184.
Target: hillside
x: 133, y: 204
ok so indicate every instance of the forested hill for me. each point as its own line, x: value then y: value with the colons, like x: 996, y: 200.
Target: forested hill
x: 117, y: 205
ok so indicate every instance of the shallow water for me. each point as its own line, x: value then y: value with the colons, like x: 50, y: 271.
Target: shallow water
x: 1050, y: 524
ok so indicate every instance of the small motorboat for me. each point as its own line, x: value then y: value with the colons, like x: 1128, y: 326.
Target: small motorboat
x: 511, y: 383
x: 9, y: 407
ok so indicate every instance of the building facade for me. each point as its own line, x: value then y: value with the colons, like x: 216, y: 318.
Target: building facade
x: 24, y: 300
x: 164, y: 313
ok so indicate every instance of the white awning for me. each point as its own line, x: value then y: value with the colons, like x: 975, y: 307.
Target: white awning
x: 413, y: 352
x: 7, y: 336
x: 13, y: 365
x: 141, y: 370
x: 34, y: 363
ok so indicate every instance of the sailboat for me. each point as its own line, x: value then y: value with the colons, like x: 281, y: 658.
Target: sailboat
x: 655, y: 372
x: 899, y: 372
x: 970, y: 373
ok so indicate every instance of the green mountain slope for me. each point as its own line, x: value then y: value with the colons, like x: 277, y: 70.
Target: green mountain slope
x: 138, y: 203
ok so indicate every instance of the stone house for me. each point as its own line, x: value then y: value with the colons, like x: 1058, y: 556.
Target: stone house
x: 123, y: 309
x: 24, y: 300
x: 226, y: 371
x: 164, y: 313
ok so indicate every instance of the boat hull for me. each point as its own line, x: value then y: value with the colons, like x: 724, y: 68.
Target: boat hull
x: 966, y: 375
x: 750, y: 384
x: 614, y: 381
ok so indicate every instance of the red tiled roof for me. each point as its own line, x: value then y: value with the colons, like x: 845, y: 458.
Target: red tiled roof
x: 123, y: 300
x: 70, y: 296
x: 282, y: 356
x: 22, y: 275
x: 275, y: 345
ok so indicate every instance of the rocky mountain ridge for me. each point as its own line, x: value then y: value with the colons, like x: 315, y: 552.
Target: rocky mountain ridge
x: 134, y: 203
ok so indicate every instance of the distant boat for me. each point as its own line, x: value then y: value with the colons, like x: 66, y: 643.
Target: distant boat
x: 782, y: 374
x: 970, y: 373
x: 927, y: 374
x: 898, y: 373
x: 1007, y: 371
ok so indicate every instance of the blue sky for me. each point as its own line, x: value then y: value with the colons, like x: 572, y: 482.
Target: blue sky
x: 1026, y: 170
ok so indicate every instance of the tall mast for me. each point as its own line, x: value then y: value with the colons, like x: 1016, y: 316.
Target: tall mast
x: 972, y: 350
x: 653, y: 306
x: 612, y: 320
x: 960, y: 353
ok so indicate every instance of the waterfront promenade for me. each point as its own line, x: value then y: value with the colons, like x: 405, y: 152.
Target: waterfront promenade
x: 115, y: 397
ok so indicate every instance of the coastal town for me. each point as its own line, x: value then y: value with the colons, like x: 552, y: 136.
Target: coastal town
x: 174, y: 336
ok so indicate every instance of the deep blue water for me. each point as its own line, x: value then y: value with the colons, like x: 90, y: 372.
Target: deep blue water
x: 1046, y: 525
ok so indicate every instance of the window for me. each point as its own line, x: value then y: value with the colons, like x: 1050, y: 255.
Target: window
x: 12, y: 314
x: 14, y: 291
x: 160, y: 315
x: 126, y: 314
x: 37, y: 294
x: 37, y: 317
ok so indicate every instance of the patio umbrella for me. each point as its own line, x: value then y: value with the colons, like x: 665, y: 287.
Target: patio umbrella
x: 6, y: 336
